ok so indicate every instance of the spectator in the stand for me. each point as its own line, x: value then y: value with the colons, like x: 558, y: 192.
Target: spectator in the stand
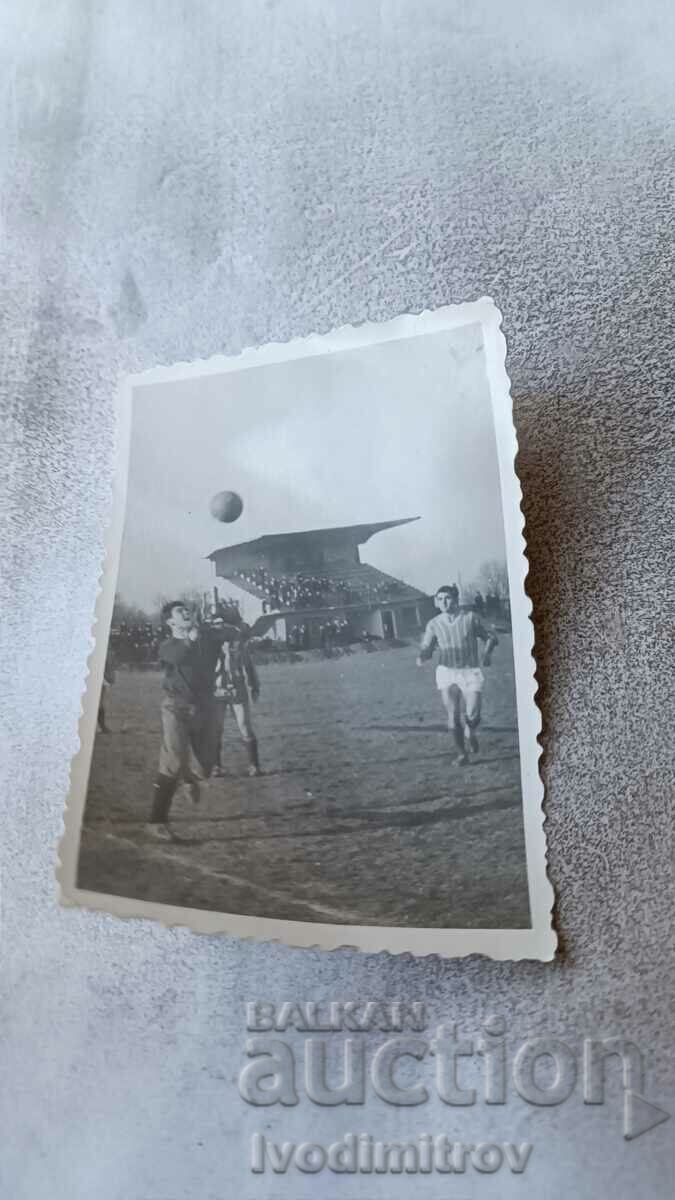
x: 108, y: 680
x: 316, y: 591
x: 479, y: 603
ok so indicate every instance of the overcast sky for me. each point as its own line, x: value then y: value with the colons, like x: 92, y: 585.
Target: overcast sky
x: 402, y: 429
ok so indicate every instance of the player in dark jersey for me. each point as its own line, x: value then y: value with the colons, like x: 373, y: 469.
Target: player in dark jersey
x: 188, y: 659
x: 459, y: 678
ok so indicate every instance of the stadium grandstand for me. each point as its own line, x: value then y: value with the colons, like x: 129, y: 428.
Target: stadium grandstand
x: 316, y: 581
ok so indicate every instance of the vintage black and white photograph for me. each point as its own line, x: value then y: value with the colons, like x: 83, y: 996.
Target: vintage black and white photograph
x: 311, y: 703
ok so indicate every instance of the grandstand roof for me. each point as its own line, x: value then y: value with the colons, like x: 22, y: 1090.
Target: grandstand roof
x: 357, y: 533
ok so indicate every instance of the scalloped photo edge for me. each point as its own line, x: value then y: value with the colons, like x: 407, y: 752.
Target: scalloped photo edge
x: 538, y: 941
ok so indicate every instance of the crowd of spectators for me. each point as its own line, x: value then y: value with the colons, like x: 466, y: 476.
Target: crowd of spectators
x: 136, y: 643
x: 330, y: 634
x: 382, y: 590
x: 313, y: 591
x: 226, y: 609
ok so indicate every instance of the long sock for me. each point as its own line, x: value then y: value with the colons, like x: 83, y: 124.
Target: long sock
x: 458, y: 734
x: 252, y: 751
x: 162, y: 795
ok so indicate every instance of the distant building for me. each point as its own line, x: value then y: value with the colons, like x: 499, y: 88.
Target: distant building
x: 316, y: 581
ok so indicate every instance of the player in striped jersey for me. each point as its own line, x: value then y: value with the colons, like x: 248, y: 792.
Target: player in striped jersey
x: 459, y: 678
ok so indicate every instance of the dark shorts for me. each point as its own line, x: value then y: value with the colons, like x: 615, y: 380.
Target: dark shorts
x: 189, y: 740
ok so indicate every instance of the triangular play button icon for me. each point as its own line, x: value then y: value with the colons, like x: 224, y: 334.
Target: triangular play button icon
x: 639, y: 1115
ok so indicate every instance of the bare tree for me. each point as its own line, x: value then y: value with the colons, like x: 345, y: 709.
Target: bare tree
x: 131, y: 614
x: 493, y: 577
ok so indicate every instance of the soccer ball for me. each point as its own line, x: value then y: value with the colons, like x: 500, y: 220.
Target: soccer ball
x: 226, y: 506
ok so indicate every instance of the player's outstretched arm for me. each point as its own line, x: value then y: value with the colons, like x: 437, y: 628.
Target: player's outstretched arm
x: 427, y: 646
x: 261, y: 626
x: 489, y: 637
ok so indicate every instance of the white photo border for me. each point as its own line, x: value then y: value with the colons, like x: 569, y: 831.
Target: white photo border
x: 539, y: 941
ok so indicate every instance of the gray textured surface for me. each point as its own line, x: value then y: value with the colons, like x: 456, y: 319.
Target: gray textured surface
x: 184, y: 179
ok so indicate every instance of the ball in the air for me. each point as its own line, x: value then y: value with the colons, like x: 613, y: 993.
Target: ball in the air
x: 226, y: 506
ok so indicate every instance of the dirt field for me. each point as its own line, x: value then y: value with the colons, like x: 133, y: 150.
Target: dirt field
x: 359, y: 818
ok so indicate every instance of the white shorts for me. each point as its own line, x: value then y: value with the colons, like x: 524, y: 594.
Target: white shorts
x: 468, y: 679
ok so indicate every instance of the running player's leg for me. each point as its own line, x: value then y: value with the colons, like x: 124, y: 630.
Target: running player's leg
x: 242, y: 715
x: 474, y: 700
x: 453, y: 702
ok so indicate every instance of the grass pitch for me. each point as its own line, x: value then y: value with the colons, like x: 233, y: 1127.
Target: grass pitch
x: 359, y: 818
